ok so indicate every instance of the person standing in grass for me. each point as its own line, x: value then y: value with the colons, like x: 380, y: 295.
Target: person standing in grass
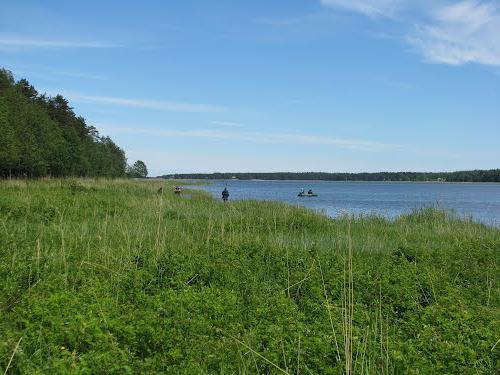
x: 225, y: 194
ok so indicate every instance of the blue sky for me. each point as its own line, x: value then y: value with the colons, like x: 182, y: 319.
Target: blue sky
x: 272, y: 85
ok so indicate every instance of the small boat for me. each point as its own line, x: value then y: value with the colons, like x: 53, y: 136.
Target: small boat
x: 307, y: 195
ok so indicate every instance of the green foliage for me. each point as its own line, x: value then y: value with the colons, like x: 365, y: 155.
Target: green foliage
x: 42, y: 136
x: 6, y: 79
x: 102, y: 276
x: 492, y: 175
x: 138, y: 170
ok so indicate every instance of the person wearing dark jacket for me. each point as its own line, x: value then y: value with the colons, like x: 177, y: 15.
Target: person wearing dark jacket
x: 225, y: 194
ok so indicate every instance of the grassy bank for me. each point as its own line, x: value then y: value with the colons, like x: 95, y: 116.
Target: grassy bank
x: 110, y: 277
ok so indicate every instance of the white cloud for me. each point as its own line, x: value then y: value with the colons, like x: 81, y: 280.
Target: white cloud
x: 162, y: 162
x: 443, y: 31
x: 16, y: 42
x: 228, y: 124
x: 294, y: 21
x: 258, y: 137
x: 464, y: 32
x: 41, y: 71
x: 146, y: 103
x: 372, y: 8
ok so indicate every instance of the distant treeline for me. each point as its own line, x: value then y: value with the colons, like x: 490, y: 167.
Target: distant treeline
x: 42, y: 136
x: 492, y: 175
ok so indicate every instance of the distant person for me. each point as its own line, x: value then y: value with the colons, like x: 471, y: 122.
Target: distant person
x: 310, y: 192
x: 225, y: 194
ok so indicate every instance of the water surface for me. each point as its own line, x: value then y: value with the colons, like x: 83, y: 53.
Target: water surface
x: 481, y: 201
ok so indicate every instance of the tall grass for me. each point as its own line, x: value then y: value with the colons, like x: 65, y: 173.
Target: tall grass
x: 103, y: 276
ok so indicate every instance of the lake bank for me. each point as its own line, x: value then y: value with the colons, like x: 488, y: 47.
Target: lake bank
x: 491, y: 175
x: 110, y: 276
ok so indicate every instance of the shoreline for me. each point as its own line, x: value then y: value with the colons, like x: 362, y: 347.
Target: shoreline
x: 332, y: 181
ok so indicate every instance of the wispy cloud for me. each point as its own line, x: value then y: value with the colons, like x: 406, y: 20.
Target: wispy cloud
x: 372, y: 8
x: 41, y: 71
x: 228, y: 124
x: 296, y: 20
x: 259, y: 137
x: 30, y: 42
x: 445, y: 31
x: 169, y: 106
x: 464, y: 32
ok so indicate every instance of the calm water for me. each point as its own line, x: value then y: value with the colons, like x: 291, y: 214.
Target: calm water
x: 481, y: 201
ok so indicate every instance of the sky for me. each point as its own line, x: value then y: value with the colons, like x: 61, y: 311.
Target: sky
x: 271, y: 85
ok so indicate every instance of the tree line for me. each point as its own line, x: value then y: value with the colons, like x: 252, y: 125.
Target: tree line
x: 42, y: 136
x: 492, y: 175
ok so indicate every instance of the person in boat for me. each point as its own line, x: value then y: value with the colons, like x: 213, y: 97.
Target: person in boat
x: 310, y: 192
x: 302, y: 191
x: 225, y: 194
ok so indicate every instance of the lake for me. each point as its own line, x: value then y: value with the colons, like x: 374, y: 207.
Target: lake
x: 481, y: 201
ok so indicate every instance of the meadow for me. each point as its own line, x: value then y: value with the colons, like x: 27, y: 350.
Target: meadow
x: 108, y: 276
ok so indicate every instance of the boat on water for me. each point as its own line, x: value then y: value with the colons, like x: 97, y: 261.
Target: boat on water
x: 307, y: 195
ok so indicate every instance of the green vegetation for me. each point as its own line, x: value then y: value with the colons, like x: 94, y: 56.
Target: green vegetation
x: 492, y: 175
x: 106, y: 276
x: 42, y: 136
x: 137, y: 170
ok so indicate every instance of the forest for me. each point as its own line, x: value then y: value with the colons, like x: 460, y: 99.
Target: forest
x: 41, y: 136
x: 492, y: 175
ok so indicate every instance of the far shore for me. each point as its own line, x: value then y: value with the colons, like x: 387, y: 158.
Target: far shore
x: 336, y: 181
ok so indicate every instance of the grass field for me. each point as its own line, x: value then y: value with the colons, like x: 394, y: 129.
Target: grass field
x: 111, y: 277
